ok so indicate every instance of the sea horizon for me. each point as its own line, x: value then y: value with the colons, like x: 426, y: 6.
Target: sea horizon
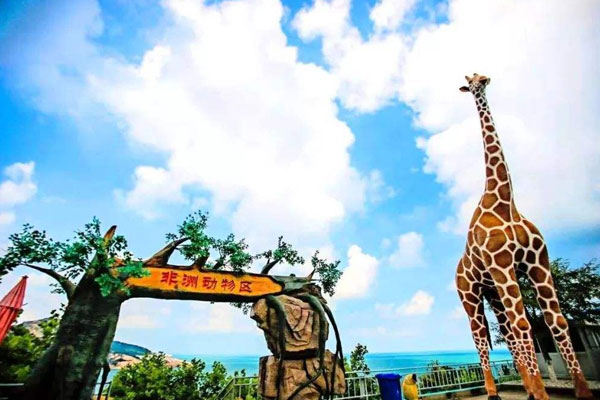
x: 375, y: 361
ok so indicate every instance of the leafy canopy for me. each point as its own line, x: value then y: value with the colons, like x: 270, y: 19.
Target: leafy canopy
x: 87, y: 253
x: 154, y: 379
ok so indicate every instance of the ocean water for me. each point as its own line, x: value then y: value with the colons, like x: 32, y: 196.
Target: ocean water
x: 375, y: 361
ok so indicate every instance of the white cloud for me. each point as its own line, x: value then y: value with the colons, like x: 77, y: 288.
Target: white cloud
x: 19, y: 187
x: 368, y: 72
x: 7, y: 217
x: 359, y: 276
x: 409, y: 251
x: 143, y: 314
x: 542, y: 94
x: 458, y: 312
x: 377, y: 190
x: 217, y: 318
x: 389, y: 14
x: 224, y: 98
x: 137, y: 321
x: 419, y: 304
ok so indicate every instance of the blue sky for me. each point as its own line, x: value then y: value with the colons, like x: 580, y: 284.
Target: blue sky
x: 335, y: 123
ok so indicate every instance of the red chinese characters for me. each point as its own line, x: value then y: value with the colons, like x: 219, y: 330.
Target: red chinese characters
x: 245, y: 286
x: 169, y: 277
x: 209, y: 283
x: 228, y: 284
x: 190, y: 281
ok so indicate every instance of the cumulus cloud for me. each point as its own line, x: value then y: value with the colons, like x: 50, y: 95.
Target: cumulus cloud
x: 420, y: 303
x: 217, y: 318
x: 543, y: 94
x: 17, y: 188
x: 359, y: 276
x: 143, y: 314
x: 409, y: 251
x: 389, y: 14
x: 458, y: 312
x: 368, y: 71
x: 224, y: 98
x: 7, y: 217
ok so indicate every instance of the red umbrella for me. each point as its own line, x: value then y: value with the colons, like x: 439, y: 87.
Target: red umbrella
x: 10, y: 306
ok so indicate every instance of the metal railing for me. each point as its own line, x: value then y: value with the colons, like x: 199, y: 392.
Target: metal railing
x: 433, y: 379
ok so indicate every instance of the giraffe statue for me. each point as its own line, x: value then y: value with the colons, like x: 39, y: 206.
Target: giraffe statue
x: 500, y: 242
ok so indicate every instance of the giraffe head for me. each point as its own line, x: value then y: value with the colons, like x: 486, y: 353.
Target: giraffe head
x: 477, y: 84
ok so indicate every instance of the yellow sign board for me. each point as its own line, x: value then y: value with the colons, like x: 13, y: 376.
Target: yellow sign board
x: 208, y: 282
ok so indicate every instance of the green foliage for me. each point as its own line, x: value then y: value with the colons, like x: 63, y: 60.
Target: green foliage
x: 199, y: 243
x: 232, y: 253
x: 357, y: 360
x: 283, y: 252
x: 20, y: 349
x: 153, y: 379
x: 578, y: 291
x: 87, y: 252
x: 329, y: 273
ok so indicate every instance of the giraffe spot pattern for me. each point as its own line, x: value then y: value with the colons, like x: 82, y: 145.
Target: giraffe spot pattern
x: 503, y: 258
x: 503, y: 210
x: 504, y: 192
x: 522, y: 236
x: 488, y: 200
x: 489, y: 220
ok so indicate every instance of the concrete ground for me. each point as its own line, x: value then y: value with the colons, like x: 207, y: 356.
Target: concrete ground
x: 516, y: 395
x: 512, y: 390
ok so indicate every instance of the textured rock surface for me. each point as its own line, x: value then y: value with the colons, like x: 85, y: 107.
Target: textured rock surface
x: 301, y: 328
x: 295, y: 373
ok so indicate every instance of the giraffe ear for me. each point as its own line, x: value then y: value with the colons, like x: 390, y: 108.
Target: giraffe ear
x: 485, y: 80
x: 464, y: 89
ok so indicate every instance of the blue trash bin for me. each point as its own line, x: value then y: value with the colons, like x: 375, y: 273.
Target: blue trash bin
x: 389, y: 386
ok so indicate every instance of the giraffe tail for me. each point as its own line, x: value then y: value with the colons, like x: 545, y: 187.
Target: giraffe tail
x: 489, y: 334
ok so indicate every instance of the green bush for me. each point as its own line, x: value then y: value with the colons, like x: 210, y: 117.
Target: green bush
x: 20, y: 349
x: 153, y: 379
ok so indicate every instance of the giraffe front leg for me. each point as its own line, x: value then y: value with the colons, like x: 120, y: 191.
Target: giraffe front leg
x: 476, y: 315
x: 541, y: 280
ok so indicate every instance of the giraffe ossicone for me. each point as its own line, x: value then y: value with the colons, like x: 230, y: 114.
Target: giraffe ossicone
x: 501, y: 242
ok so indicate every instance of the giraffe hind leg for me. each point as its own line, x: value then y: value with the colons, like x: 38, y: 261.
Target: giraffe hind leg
x: 539, y: 275
x: 495, y: 303
x: 510, y: 295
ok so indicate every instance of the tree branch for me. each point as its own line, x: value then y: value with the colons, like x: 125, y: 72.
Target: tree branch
x: 161, y: 258
x: 64, y: 282
x: 269, y: 266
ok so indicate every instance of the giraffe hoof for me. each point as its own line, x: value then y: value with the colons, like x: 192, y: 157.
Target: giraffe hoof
x: 494, y: 397
x: 531, y: 397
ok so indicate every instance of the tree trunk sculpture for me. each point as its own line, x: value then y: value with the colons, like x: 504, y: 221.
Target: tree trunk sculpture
x: 296, y: 330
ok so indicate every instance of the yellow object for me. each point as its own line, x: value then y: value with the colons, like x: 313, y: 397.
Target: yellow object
x: 409, y: 387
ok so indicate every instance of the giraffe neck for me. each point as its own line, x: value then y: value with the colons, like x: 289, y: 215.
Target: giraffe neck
x: 496, y: 169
